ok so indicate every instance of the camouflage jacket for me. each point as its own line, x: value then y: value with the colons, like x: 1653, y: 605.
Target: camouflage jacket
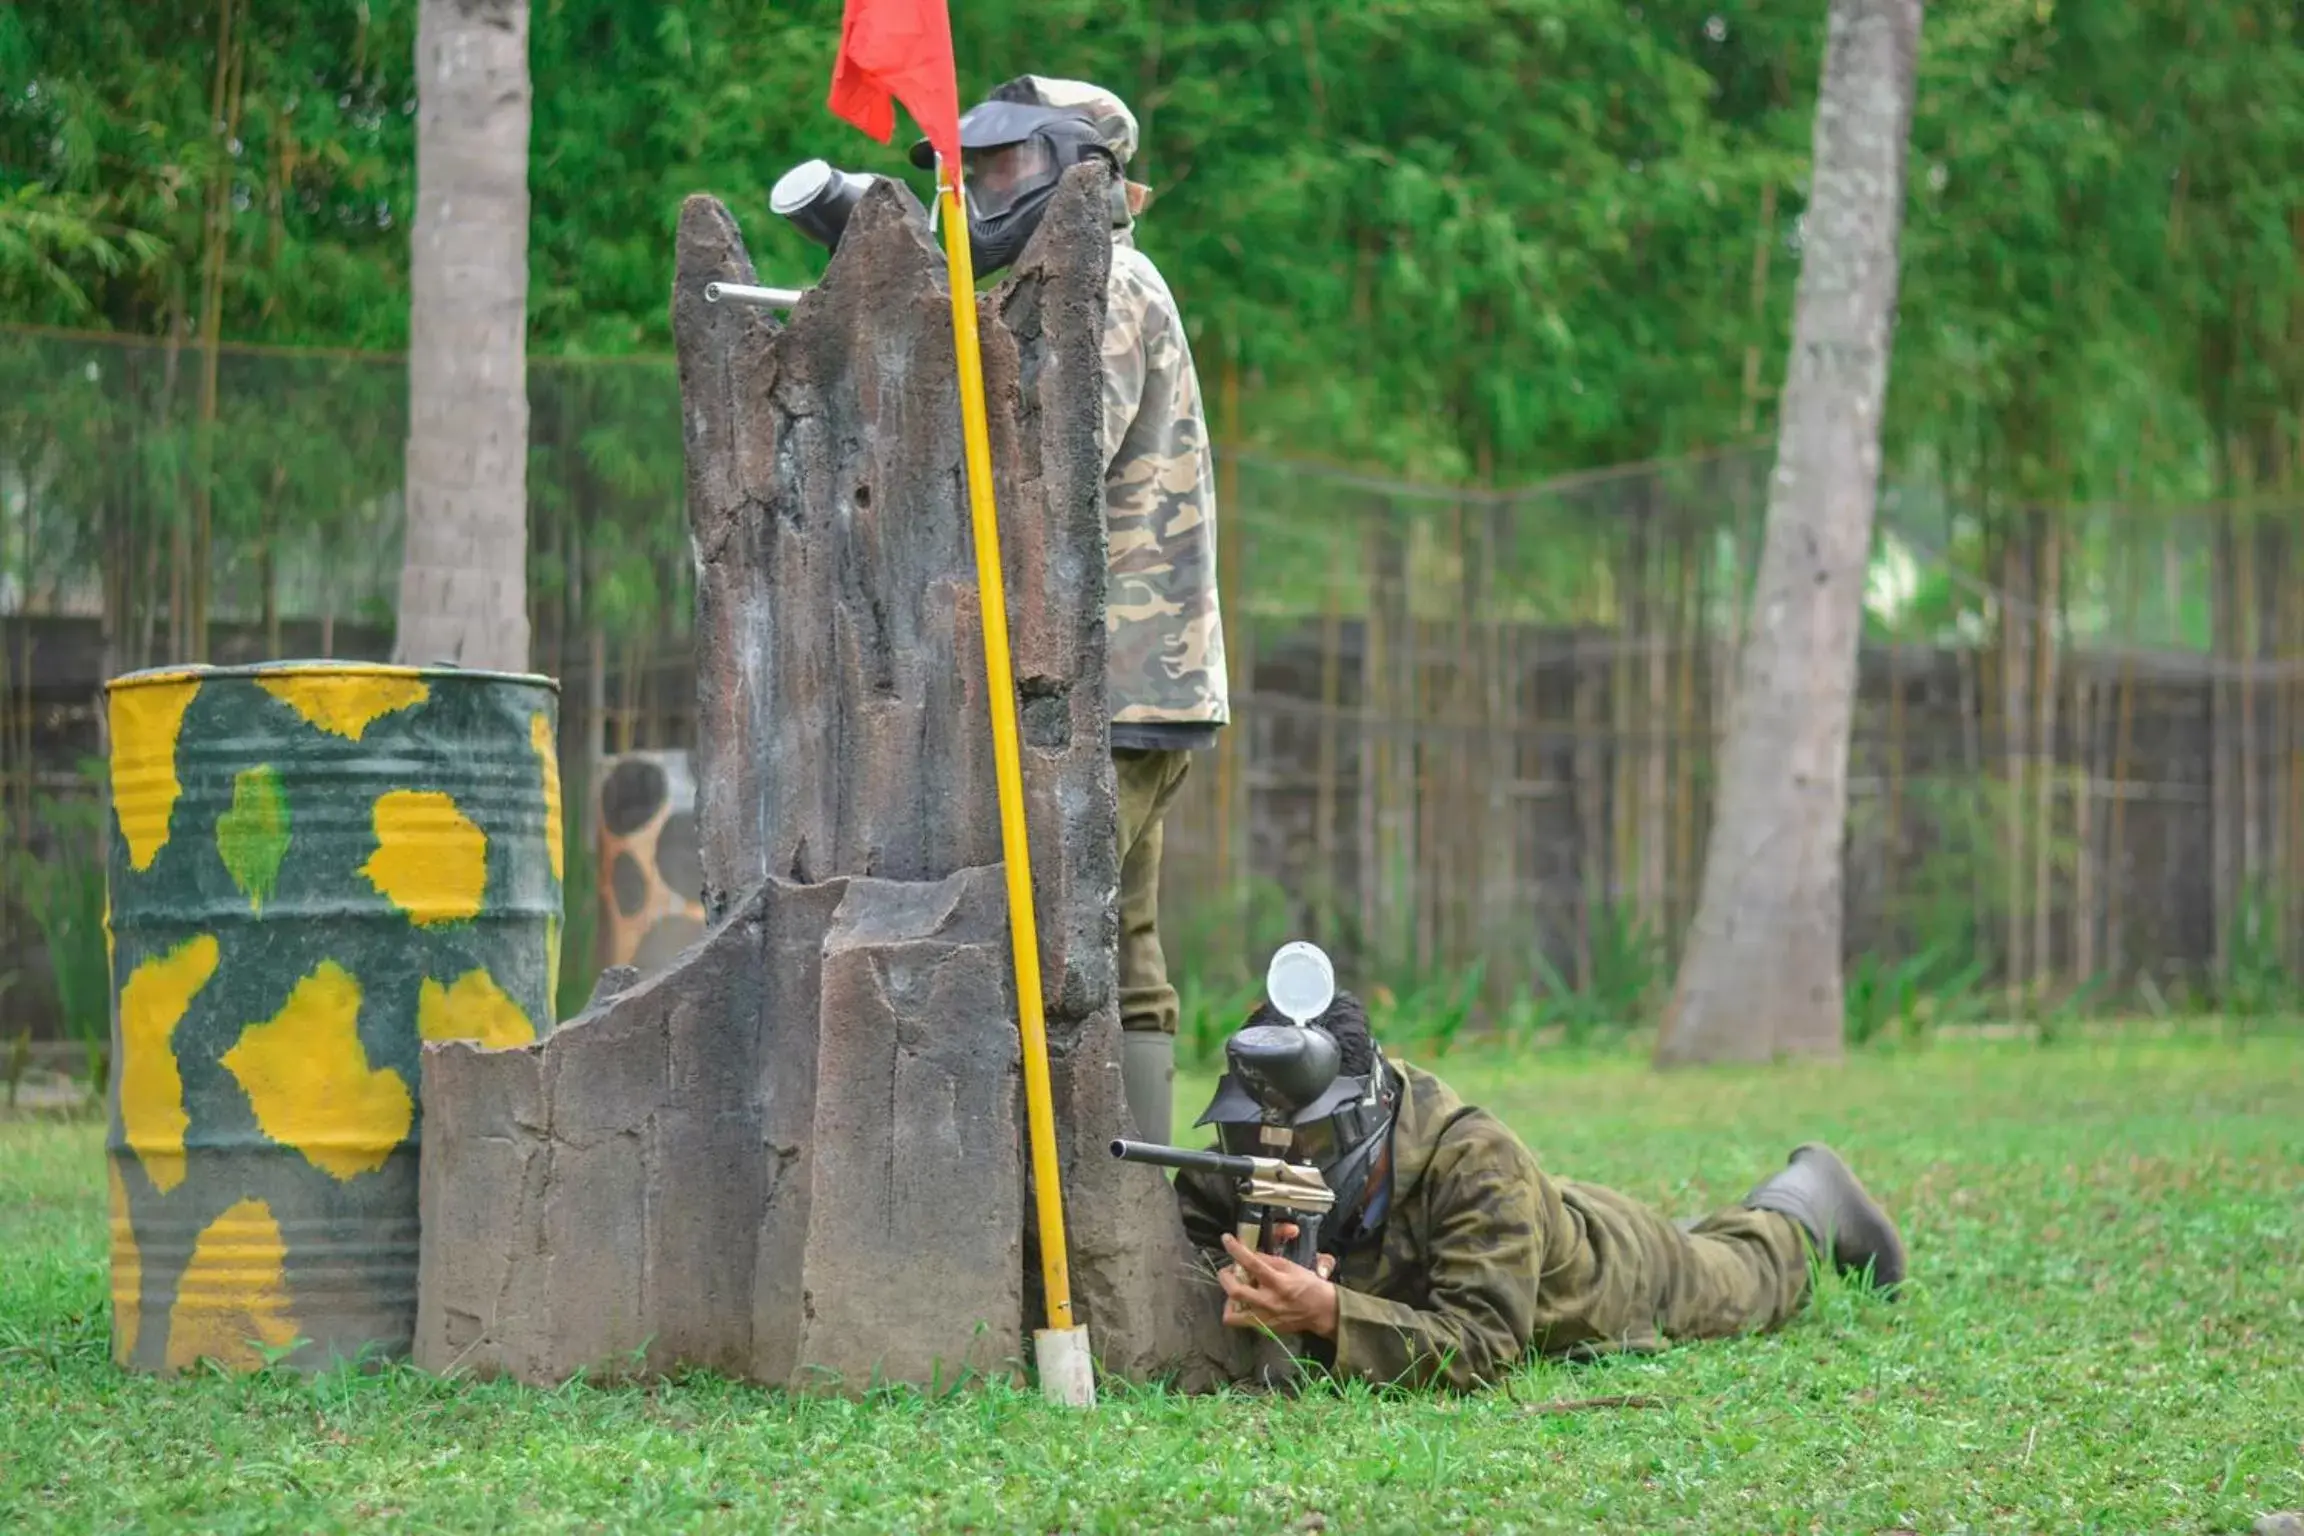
x: 1166, y: 640
x: 1446, y: 1293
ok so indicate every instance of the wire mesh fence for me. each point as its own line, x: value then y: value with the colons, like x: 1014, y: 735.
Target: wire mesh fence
x: 1484, y: 736
x: 1474, y: 729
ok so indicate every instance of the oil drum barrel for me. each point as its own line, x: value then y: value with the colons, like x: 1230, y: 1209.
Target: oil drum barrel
x: 311, y: 870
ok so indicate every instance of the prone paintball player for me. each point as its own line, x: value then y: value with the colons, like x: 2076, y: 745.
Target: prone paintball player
x: 1448, y: 1255
x: 1165, y: 640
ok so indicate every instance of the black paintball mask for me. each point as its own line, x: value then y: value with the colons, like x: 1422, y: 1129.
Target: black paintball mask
x: 1283, y: 1096
x: 1012, y: 155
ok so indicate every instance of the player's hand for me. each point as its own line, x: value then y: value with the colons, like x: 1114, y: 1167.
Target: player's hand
x: 1263, y: 1290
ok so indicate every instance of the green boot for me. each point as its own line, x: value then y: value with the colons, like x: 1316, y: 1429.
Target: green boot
x: 1148, y: 1077
x: 1817, y: 1190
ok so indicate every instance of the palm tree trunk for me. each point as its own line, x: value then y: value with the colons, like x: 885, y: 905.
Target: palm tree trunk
x: 463, y: 578
x: 1761, y: 972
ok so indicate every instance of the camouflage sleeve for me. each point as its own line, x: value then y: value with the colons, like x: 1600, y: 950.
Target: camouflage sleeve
x: 1481, y: 1284
x: 1164, y: 634
x: 1126, y: 362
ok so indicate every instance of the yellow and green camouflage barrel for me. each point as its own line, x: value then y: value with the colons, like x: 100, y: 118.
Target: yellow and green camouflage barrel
x: 312, y: 869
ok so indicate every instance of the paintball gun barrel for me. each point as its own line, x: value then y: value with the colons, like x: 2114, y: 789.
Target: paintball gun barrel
x: 1185, y: 1157
x: 743, y: 293
x: 1270, y: 1191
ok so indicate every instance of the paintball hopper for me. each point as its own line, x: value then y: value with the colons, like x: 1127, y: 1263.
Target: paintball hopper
x: 1285, y: 1074
x: 1300, y: 981
x: 1286, y: 1067
x: 818, y: 199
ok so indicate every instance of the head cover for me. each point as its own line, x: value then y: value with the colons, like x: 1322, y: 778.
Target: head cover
x: 1115, y: 124
x: 1016, y: 145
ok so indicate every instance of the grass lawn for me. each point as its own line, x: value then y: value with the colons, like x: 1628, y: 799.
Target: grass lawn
x: 2106, y: 1333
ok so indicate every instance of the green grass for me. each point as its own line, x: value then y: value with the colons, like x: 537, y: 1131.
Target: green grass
x: 2106, y: 1334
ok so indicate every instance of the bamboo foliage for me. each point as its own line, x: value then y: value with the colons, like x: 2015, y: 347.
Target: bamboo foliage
x: 1509, y: 702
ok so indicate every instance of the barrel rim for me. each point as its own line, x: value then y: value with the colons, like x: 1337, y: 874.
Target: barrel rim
x: 148, y: 677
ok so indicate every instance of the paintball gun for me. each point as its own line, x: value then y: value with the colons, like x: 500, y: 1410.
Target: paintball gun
x: 1279, y: 1074
x: 817, y: 200
x: 1270, y: 1190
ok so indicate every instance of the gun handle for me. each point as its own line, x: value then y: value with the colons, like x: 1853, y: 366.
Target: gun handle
x: 1304, y: 1249
x: 1258, y: 1226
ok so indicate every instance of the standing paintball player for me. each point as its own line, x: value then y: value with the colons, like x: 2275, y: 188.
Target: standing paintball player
x: 1164, y: 635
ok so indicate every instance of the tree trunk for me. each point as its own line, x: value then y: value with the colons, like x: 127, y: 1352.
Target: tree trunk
x: 1232, y: 856
x: 1761, y: 973
x: 1589, y: 662
x: 216, y: 235
x: 463, y: 578
x: 2049, y: 601
x: 1692, y: 660
x: 2014, y: 702
x: 268, y: 568
x: 2223, y: 789
x: 828, y: 1083
x: 1329, y: 915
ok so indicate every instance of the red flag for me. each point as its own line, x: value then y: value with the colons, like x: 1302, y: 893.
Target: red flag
x: 899, y: 48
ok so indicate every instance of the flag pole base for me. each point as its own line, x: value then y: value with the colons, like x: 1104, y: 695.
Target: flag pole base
x: 1067, y: 1375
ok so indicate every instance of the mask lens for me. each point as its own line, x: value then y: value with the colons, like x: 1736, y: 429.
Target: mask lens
x: 997, y: 179
x: 1316, y: 1143
x: 1239, y: 1140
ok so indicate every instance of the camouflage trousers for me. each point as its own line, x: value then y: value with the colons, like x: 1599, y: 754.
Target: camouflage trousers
x: 1148, y: 782
x: 1617, y: 1276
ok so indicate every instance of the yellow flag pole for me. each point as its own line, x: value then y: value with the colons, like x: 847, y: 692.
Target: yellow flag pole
x: 1061, y: 1348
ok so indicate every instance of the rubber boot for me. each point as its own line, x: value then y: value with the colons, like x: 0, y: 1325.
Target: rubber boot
x: 1148, y: 1077
x: 1817, y: 1190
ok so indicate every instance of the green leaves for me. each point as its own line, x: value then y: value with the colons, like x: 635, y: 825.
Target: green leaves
x: 252, y: 837
x: 48, y: 238
x: 1436, y: 235
x: 108, y: 113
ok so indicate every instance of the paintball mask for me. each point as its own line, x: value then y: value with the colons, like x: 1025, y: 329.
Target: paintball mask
x: 1283, y: 1093
x: 1012, y: 156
